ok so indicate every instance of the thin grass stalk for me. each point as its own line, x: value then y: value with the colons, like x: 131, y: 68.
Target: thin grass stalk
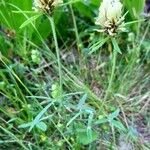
x: 79, y: 43
x: 112, y: 75
x: 57, y: 50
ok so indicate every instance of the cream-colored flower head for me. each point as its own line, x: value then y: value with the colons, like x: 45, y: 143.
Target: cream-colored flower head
x: 46, y: 5
x: 110, y: 16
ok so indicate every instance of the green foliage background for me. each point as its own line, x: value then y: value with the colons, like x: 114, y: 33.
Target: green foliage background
x: 37, y: 113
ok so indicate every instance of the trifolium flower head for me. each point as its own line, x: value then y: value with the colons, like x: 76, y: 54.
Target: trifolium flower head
x: 46, y: 5
x: 110, y: 17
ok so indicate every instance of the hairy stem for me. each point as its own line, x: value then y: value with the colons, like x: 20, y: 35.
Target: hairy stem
x: 57, y: 50
x: 112, y: 75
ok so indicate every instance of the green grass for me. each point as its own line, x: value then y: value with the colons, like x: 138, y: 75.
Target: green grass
x: 62, y: 86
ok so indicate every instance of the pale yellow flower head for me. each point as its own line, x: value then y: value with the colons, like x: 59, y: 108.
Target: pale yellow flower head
x: 110, y: 16
x: 46, y: 5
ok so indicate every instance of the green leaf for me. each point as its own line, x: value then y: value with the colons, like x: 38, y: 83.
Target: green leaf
x: 118, y: 125
x: 84, y: 9
x: 42, y: 27
x: 56, y: 91
x: 13, y: 20
x: 96, y: 2
x: 114, y: 115
x: 115, y: 45
x: 2, y: 85
x: 133, y: 133
x: 38, y: 117
x: 135, y: 9
x: 30, y: 20
x: 82, y: 102
x: 24, y: 5
x: 73, y: 118
x: 42, y: 126
x: 85, y: 137
x: 98, y: 45
x: 100, y: 121
x: 25, y: 125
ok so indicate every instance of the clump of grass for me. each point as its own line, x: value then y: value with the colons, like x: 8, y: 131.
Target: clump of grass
x: 61, y: 86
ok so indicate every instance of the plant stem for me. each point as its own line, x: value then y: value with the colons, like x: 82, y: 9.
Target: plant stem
x: 57, y: 50
x: 79, y: 43
x: 112, y: 75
